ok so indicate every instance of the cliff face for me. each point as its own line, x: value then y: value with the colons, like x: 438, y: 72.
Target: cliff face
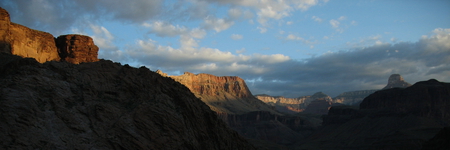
x: 352, y: 97
x: 102, y: 105
x: 279, y: 99
x: 25, y: 42
x: 77, y: 48
x: 227, y: 94
x: 397, y: 118
x: 427, y: 99
x: 396, y: 80
x: 283, y: 104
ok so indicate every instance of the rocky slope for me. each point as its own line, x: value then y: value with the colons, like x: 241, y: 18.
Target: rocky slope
x: 227, y: 94
x: 102, y: 105
x: 23, y: 41
x: 397, y: 118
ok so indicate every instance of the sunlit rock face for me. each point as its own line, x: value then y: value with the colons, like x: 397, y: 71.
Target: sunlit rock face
x: 226, y: 94
x: 283, y: 104
x: 396, y: 80
x: 20, y: 40
x: 77, y: 48
x: 23, y: 41
x: 103, y: 105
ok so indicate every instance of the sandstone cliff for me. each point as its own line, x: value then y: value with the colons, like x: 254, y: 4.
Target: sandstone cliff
x: 227, y: 94
x: 102, y: 105
x: 77, y: 48
x: 283, y: 104
x: 25, y: 42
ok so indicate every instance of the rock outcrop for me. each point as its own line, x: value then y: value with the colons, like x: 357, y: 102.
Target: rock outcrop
x: 429, y: 99
x: 25, y: 42
x: 283, y: 104
x: 397, y: 118
x: 396, y: 81
x: 77, y: 48
x: 352, y: 97
x: 227, y: 94
x: 318, y: 106
x: 102, y: 105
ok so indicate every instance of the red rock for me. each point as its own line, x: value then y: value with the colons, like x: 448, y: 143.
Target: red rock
x: 226, y: 94
x: 77, y: 48
x: 25, y: 42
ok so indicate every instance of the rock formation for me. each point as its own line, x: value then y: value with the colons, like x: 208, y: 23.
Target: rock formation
x: 283, y: 104
x: 397, y: 118
x: 429, y: 99
x: 396, y: 80
x: 352, y: 97
x: 77, y: 48
x: 227, y: 94
x: 318, y: 106
x: 102, y: 105
x: 25, y: 42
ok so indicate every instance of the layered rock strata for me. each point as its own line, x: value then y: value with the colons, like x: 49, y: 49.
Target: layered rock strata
x: 227, y: 94
x: 102, y: 105
x: 25, y: 42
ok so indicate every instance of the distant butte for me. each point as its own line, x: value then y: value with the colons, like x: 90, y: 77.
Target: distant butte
x: 396, y: 81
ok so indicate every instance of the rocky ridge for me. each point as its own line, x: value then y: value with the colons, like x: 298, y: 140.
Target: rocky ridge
x: 19, y: 40
x: 352, y: 97
x: 227, y: 94
x: 102, y: 105
x: 83, y: 103
x: 397, y: 118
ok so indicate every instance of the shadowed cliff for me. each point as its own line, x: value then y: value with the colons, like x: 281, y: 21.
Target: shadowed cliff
x: 102, y: 105
x: 396, y: 118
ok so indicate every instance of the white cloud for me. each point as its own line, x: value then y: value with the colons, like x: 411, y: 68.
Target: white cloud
x: 334, y: 23
x: 293, y: 37
x: 262, y: 29
x: 217, y: 24
x: 236, y: 36
x: 317, y: 19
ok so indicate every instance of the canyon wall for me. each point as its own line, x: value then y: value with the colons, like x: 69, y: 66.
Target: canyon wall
x: 352, y: 97
x: 227, y: 94
x: 395, y: 118
x: 102, y: 105
x: 25, y: 42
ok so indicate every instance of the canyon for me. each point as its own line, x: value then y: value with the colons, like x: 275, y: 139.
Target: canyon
x: 56, y: 94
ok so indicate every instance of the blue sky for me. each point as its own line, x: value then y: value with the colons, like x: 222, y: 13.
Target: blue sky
x: 290, y: 48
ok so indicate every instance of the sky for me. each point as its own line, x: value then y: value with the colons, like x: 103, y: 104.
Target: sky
x: 287, y: 48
